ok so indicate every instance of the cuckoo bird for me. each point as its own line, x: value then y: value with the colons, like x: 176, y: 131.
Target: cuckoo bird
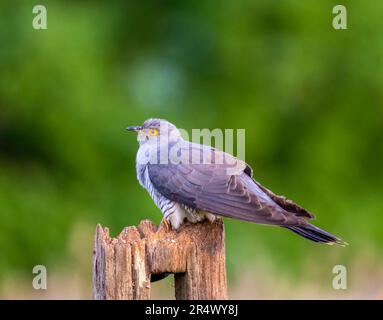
x: 193, y: 182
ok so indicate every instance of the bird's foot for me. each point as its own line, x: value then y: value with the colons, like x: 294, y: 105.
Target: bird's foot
x: 165, y: 225
x: 211, y: 218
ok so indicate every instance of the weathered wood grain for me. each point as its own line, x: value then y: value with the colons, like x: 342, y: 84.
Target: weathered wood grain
x: 124, y: 266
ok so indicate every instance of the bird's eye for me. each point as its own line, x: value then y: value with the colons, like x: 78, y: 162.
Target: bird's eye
x: 153, y: 132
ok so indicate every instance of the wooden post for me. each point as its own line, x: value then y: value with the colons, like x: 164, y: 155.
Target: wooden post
x: 123, y: 267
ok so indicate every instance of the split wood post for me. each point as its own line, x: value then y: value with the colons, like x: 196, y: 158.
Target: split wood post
x: 123, y: 267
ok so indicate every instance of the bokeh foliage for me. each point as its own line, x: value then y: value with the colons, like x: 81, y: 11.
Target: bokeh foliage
x: 309, y: 97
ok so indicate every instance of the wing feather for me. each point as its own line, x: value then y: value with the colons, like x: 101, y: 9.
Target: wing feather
x: 214, y: 188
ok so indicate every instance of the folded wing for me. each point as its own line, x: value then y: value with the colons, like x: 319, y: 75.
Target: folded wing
x: 224, y: 188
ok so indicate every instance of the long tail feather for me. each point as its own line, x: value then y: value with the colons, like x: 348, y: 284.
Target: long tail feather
x: 316, y: 234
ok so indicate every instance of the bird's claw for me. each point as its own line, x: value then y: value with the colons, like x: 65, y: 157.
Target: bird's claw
x: 165, y: 224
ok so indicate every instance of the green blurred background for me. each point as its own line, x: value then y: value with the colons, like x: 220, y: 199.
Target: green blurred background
x: 310, y: 98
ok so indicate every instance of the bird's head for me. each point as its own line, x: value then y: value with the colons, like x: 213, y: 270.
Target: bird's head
x: 155, y: 130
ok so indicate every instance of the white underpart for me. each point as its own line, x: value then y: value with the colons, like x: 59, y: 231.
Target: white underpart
x: 180, y: 213
x: 174, y: 212
x: 177, y: 216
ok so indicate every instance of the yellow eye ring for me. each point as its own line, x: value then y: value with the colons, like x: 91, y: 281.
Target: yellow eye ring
x: 153, y: 132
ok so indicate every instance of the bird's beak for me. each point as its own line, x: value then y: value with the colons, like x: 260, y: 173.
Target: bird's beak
x: 134, y: 128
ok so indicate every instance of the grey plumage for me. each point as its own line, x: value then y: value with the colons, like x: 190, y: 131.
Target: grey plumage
x: 205, y: 182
